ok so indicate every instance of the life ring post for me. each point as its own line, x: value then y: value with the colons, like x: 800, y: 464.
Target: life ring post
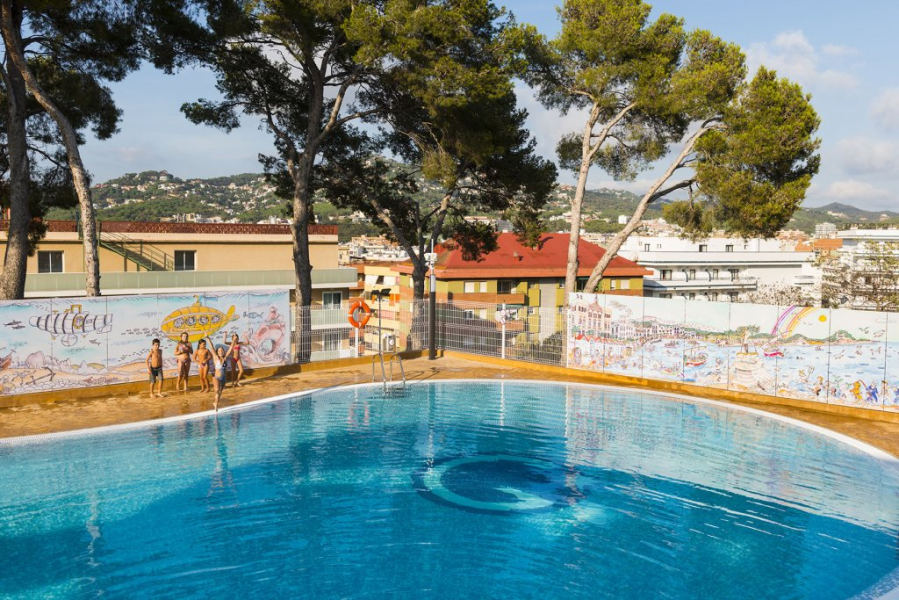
x: 359, y: 314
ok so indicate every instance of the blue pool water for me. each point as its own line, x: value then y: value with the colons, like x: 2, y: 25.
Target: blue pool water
x: 457, y: 489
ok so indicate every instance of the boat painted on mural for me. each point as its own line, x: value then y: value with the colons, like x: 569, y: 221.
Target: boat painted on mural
x: 71, y: 345
x: 197, y: 321
x: 70, y: 323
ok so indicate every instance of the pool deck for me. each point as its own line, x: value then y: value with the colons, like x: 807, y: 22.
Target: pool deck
x: 70, y: 414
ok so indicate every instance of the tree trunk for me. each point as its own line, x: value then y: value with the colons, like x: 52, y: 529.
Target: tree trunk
x: 70, y: 140
x: 12, y: 280
x: 574, y: 239
x: 301, y: 261
x: 654, y: 193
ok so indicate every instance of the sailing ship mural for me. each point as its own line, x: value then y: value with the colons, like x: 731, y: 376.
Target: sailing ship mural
x: 60, y: 344
x: 838, y: 356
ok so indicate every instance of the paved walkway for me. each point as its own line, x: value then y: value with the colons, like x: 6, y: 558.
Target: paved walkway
x: 65, y: 415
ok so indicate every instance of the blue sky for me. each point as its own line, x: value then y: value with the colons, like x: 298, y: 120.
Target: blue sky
x: 843, y: 53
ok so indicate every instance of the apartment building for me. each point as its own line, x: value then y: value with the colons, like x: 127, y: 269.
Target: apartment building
x: 719, y: 268
x: 863, y: 273
x: 138, y: 257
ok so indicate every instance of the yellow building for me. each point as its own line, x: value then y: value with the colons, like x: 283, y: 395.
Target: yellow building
x: 138, y: 257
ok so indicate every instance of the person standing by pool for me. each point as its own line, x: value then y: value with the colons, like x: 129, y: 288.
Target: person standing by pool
x: 220, y: 360
x: 235, y: 360
x: 203, y: 357
x: 183, y: 352
x: 154, y: 367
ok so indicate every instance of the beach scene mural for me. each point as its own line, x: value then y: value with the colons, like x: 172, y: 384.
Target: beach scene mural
x: 64, y: 343
x: 838, y: 356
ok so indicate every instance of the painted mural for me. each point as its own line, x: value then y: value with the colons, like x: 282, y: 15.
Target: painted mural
x: 838, y: 356
x: 58, y: 344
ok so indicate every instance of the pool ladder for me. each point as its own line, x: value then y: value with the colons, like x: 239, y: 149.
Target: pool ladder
x: 391, y: 359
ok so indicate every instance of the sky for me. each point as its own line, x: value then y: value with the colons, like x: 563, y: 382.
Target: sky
x: 843, y: 53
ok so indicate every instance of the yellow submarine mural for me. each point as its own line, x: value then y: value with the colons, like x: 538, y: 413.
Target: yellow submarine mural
x: 196, y: 320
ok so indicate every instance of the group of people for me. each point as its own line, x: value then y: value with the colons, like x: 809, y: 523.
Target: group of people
x: 219, y: 362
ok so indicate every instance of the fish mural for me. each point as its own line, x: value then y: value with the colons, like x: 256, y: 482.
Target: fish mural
x: 59, y: 344
x: 71, y: 323
x: 197, y: 320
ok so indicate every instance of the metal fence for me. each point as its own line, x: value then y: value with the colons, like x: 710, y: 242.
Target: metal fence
x: 531, y: 334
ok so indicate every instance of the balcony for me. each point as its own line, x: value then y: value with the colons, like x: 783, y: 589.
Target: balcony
x: 702, y: 281
x: 72, y: 284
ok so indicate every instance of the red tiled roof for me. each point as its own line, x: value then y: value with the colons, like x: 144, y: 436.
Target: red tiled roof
x: 512, y: 259
x: 187, y: 228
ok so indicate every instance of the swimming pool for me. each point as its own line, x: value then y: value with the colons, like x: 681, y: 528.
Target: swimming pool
x: 452, y: 489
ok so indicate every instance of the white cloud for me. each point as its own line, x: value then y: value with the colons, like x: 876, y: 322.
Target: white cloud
x: 638, y: 186
x: 885, y: 109
x: 792, y: 55
x: 853, y: 189
x: 864, y: 156
x: 838, y: 50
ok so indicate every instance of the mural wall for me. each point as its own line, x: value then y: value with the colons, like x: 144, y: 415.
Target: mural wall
x: 835, y: 356
x: 64, y: 343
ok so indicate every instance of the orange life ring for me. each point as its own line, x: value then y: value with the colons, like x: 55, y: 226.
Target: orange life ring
x: 358, y: 308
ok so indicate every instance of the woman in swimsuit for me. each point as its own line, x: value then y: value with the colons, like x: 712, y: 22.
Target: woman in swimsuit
x: 235, y: 359
x: 220, y: 360
x: 203, y: 357
x: 183, y: 352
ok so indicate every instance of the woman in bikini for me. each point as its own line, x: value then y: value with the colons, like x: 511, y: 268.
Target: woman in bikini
x: 220, y: 360
x: 183, y: 352
x: 203, y: 357
x: 235, y: 359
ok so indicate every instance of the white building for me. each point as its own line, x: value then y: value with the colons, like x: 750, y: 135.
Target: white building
x: 825, y: 230
x: 719, y: 268
x: 856, y: 278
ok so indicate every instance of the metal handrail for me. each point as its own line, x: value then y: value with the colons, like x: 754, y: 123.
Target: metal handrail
x: 153, y: 254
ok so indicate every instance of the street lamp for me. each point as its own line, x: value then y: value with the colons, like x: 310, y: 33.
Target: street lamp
x: 431, y: 260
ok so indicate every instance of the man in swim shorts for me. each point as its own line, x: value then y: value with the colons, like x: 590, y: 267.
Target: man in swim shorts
x: 154, y: 367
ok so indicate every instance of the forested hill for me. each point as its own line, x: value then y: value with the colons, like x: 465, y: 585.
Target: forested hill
x: 248, y: 197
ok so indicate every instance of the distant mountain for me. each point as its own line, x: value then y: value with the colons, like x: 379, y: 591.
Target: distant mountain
x: 249, y: 197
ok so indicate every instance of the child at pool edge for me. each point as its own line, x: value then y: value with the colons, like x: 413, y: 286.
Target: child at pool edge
x: 203, y: 357
x: 154, y: 367
x: 183, y: 352
x: 220, y: 359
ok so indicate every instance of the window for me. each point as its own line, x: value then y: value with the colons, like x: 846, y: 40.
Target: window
x: 472, y: 287
x: 666, y: 274
x: 691, y: 274
x: 691, y: 296
x: 332, y: 299
x: 330, y: 342
x: 714, y: 273
x: 504, y: 286
x: 625, y: 284
x: 613, y: 284
x: 468, y: 313
x: 658, y: 246
x: 703, y: 247
x: 729, y: 248
x: 185, y: 260
x: 734, y: 273
x: 734, y: 296
x: 665, y: 296
x: 646, y: 247
x: 469, y: 287
x: 49, y: 262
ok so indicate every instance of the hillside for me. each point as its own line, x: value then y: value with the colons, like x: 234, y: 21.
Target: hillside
x: 248, y: 197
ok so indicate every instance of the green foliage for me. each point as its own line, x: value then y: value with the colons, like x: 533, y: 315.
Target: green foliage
x: 753, y: 172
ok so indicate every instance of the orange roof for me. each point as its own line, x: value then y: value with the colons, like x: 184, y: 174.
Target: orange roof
x: 512, y: 259
x: 828, y: 244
